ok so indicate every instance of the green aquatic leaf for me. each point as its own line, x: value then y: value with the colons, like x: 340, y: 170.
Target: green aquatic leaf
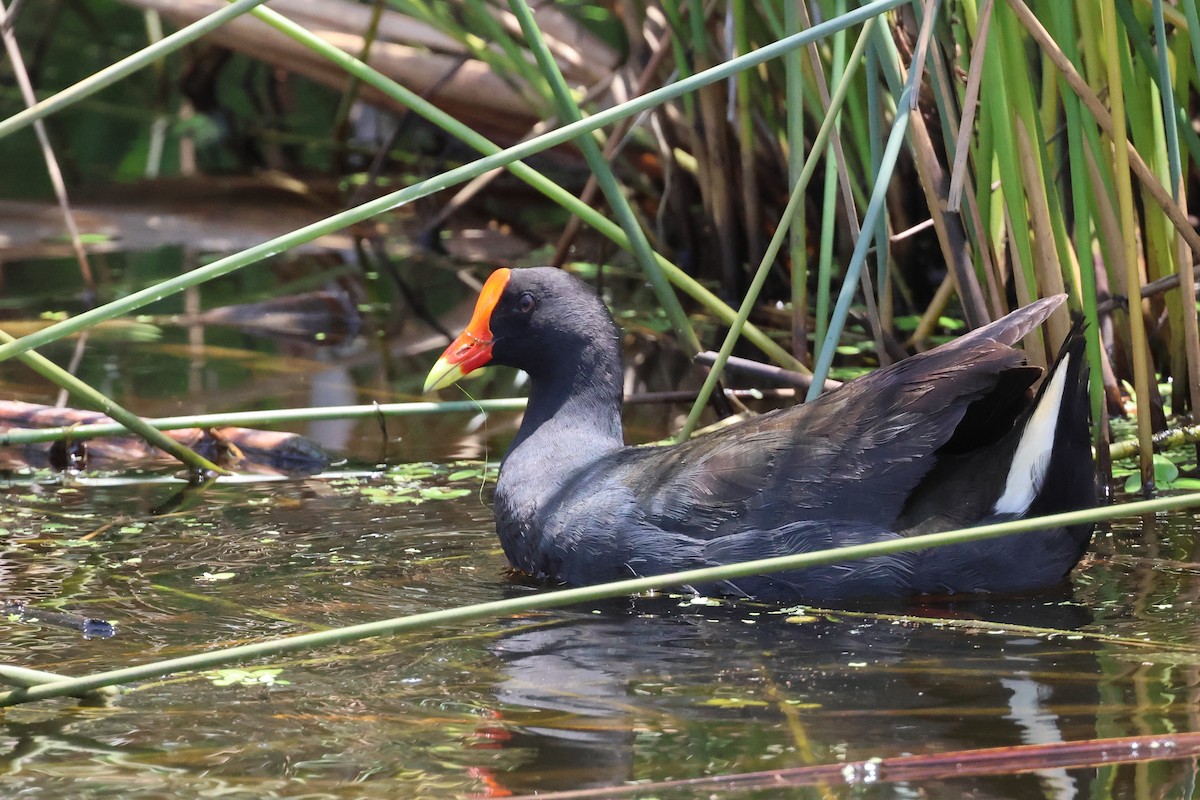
x: 412, y: 472
x: 80, y: 543
x: 1166, y: 474
x: 409, y: 483
x: 443, y: 493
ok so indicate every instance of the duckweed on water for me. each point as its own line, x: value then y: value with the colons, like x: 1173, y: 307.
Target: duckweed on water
x: 265, y: 676
x: 411, y: 483
x: 734, y: 702
x: 214, y: 577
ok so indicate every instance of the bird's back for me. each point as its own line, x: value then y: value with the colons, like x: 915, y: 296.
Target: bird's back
x: 919, y: 446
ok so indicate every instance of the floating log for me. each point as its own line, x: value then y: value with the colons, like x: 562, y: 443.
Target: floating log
x: 244, y: 449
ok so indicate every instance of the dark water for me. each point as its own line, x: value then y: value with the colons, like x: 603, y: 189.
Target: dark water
x: 647, y: 689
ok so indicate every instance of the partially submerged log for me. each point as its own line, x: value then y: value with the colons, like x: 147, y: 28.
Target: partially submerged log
x: 244, y: 449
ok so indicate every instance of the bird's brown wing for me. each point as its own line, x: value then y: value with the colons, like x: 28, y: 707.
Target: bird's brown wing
x: 855, y: 454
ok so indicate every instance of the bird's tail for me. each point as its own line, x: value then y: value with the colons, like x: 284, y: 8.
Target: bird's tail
x: 1051, y: 469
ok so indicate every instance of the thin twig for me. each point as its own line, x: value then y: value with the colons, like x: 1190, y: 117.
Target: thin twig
x: 1148, y: 290
x: 616, y: 140
x: 913, y: 231
x: 758, y: 369
x: 970, y: 104
x: 55, y: 174
x: 72, y: 367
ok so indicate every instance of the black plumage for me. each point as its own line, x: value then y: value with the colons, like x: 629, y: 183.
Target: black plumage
x: 924, y: 445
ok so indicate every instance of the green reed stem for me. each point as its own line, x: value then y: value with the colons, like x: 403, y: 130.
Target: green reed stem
x: 1167, y: 92
x: 874, y: 208
x: 828, y: 206
x: 480, y: 20
x: 1190, y: 335
x: 1120, y: 153
x: 1062, y: 17
x: 568, y: 110
x: 794, y: 76
x: 17, y: 436
x: 875, y: 128
x: 904, y: 106
x: 1005, y: 58
x: 466, y: 172
x: 129, y: 421
x: 795, y: 202
x: 12, y: 675
x: 1193, y: 26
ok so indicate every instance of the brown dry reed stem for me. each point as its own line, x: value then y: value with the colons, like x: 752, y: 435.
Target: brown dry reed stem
x: 969, y: 107
x: 1121, y: 163
x: 927, y: 767
x: 1105, y: 120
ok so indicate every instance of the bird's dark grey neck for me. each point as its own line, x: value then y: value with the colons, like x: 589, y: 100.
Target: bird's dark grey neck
x: 575, y: 402
x: 573, y: 419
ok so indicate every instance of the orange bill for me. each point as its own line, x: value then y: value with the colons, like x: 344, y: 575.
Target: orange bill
x: 473, y: 347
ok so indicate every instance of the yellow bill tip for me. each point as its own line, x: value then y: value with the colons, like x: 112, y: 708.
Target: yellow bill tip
x: 443, y: 374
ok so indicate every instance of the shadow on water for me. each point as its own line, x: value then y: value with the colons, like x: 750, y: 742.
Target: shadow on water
x: 650, y: 689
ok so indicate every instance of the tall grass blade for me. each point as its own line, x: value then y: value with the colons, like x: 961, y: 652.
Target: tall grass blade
x: 797, y: 247
x: 1137, y: 327
x: 1187, y: 307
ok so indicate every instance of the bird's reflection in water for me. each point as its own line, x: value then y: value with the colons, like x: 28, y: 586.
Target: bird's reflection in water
x: 647, y: 690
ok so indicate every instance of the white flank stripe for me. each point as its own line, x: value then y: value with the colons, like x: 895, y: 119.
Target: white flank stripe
x: 1028, y: 469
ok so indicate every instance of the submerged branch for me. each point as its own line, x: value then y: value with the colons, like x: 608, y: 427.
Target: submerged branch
x: 926, y: 767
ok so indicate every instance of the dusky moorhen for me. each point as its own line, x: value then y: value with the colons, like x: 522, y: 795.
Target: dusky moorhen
x: 945, y: 439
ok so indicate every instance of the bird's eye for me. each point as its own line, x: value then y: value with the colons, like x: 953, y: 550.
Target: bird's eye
x: 526, y: 303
